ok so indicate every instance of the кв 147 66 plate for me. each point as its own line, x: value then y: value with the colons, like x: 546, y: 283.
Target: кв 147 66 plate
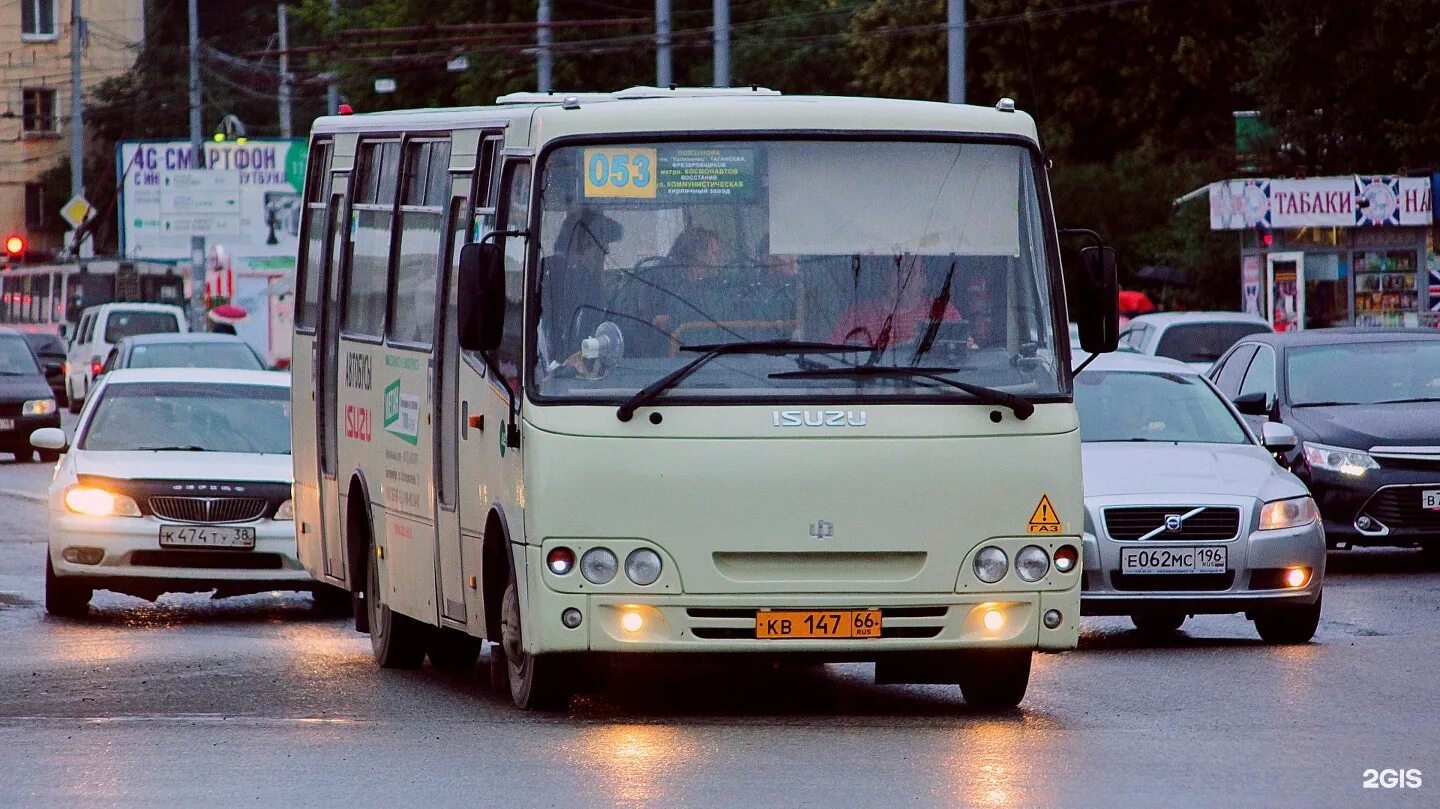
x: 777, y: 624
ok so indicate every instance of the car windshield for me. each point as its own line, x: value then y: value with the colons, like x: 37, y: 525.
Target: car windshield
x: 1153, y: 406
x: 1203, y: 342
x: 46, y: 344
x: 194, y: 355
x: 125, y: 324
x: 211, y: 417
x: 1364, y: 372
x: 15, y: 356
x: 919, y: 254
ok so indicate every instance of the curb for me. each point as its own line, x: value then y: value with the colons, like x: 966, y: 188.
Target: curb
x: 23, y: 495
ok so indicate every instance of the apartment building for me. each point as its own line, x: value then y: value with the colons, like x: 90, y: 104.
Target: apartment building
x: 35, y: 39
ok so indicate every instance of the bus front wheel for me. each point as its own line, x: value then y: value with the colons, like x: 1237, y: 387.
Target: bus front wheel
x: 537, y: 682
x: 397, y: 641
x: 995, y: 679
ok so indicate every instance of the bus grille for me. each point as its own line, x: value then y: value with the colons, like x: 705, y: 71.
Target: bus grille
x: 208, y: 509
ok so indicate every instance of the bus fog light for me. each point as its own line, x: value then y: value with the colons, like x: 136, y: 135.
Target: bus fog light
x: 631, y: 621
x: 994, y: 619
x: 643, y: 566
x: 1052, y: 618
x: 571, y: 617
x: 1296, y: 577
x: 1032, y: 563
x: 83, y: 556
x: 991, y: 564
x: 598, y: 565
x: 1066, y: 557
x: 560, y: 561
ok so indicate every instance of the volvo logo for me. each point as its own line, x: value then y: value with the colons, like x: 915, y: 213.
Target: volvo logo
x: 1174, y: 522
x: 822, y: 530
x: 819, y: 418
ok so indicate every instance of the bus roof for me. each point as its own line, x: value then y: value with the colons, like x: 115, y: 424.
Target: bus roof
x: 648, y: 109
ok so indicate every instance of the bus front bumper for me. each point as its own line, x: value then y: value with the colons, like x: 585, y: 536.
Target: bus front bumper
x: 919, y: 622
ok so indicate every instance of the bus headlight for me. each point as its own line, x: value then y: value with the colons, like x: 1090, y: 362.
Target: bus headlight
x: 643, y: 566
x: 1032, y: 563
x: 991, y: 564
x: 598, y: 565
x: 1292, y: 513
x: 94, y: 502
x: 38, y: 407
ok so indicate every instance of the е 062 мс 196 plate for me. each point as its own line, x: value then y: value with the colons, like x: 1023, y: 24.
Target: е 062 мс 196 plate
x: 1190, y: 559
x: 206, y: 536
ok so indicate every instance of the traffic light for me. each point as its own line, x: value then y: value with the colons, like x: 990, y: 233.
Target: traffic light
x: 15, y: 249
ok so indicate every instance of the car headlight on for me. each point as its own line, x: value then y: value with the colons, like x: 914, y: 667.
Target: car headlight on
x: 93, y: 502
x: 286, y: 511
x: 1292, y: 513
x: 1351, y: 462
x: 38, y: 407
x: 991, y: 564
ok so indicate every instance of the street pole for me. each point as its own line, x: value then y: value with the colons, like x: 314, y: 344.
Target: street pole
x: 197, y: 162
x: 332, y: 89
x: 542, y: 52
x: 286, y: 128
x: 722, y: 43
x: 77, y: 118
x: 663, y: 75
x: 955, y: 31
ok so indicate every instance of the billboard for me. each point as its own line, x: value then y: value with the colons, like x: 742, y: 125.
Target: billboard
x: 1346, y: 202
x: 248, y: 201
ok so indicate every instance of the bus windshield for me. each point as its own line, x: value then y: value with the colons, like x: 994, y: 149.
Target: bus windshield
x: 920, y: 255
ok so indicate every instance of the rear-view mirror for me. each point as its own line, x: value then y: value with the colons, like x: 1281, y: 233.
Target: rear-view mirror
x: 50, y: 438
x: 1099, y: 298
x: 1252, y: 404
x: 480, y: 289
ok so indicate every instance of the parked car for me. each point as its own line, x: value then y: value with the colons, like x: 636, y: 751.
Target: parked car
x: 1187, y: 512
x: 26, y: 402
x: 1365, y: 404
x: 50, y: 350
x: 100, y: 327
x: 1194, y: 338
x: 178, y: 481
x: 183, y: 350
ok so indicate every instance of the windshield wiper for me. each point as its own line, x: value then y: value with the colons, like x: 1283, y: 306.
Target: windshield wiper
x: 1325, y: 404
x: 1409, y: 401
x: 1023, y: 408
x: 180, y: 448
x: 651, y: 392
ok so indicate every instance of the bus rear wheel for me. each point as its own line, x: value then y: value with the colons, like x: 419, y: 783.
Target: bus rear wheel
x: 995, y: 679
x: 537, y: 682
x: 397, y: 641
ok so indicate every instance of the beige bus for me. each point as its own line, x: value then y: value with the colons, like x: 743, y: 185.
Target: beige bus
x: 692, y: 372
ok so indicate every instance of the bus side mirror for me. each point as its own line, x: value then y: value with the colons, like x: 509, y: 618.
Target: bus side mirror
x: 480, y: 307
x: 1099, y: 315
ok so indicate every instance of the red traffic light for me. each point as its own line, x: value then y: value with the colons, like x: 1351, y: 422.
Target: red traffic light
x: 15, y: 245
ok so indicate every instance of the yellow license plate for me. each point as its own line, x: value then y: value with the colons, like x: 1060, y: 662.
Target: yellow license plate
x: 817, y: 624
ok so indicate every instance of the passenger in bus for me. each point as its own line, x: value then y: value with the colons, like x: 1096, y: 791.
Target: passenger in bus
x: 572, y: 300
x: 910, y: 300
x: 982, y: 304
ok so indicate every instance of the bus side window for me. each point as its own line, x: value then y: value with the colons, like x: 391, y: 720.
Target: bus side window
x: 317, y: 195
x: 370, y: 239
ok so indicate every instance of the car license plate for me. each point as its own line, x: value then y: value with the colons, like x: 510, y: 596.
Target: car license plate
x: 206, y: 536
x: 7, y: 424
x: 1430, y: 499
x: 1193, y: 559
x: 817, y: 624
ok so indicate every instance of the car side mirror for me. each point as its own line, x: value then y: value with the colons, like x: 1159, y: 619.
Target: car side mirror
x: 52, y: 438
x: 1099, y: 294
x: 480, y: 290
x: 65, y: 332
x: 1277, y: 437
x: 1253, y: 404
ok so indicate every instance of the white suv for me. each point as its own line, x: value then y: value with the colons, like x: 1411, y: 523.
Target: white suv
x: 99, y: 329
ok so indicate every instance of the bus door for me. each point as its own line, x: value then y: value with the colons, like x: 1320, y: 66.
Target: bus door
x: 327, y: 339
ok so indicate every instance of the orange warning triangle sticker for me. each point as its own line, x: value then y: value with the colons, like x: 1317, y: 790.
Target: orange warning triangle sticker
x: 1044, y: 520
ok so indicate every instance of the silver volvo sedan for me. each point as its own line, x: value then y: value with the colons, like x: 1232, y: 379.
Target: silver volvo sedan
x: 1187, y: 513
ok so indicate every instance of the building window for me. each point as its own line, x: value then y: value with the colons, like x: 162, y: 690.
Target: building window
x: 37, y: 19
x: 35, y: 211
x: 39, y: 110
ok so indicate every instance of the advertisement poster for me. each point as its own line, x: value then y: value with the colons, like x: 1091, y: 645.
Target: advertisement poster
x: 1250, y: 286
x: 1285, y: 292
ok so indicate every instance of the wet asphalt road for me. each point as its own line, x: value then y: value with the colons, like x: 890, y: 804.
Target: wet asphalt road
x: 258, y: 701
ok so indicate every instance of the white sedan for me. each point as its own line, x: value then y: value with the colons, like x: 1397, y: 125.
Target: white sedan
x: 178, y: 481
